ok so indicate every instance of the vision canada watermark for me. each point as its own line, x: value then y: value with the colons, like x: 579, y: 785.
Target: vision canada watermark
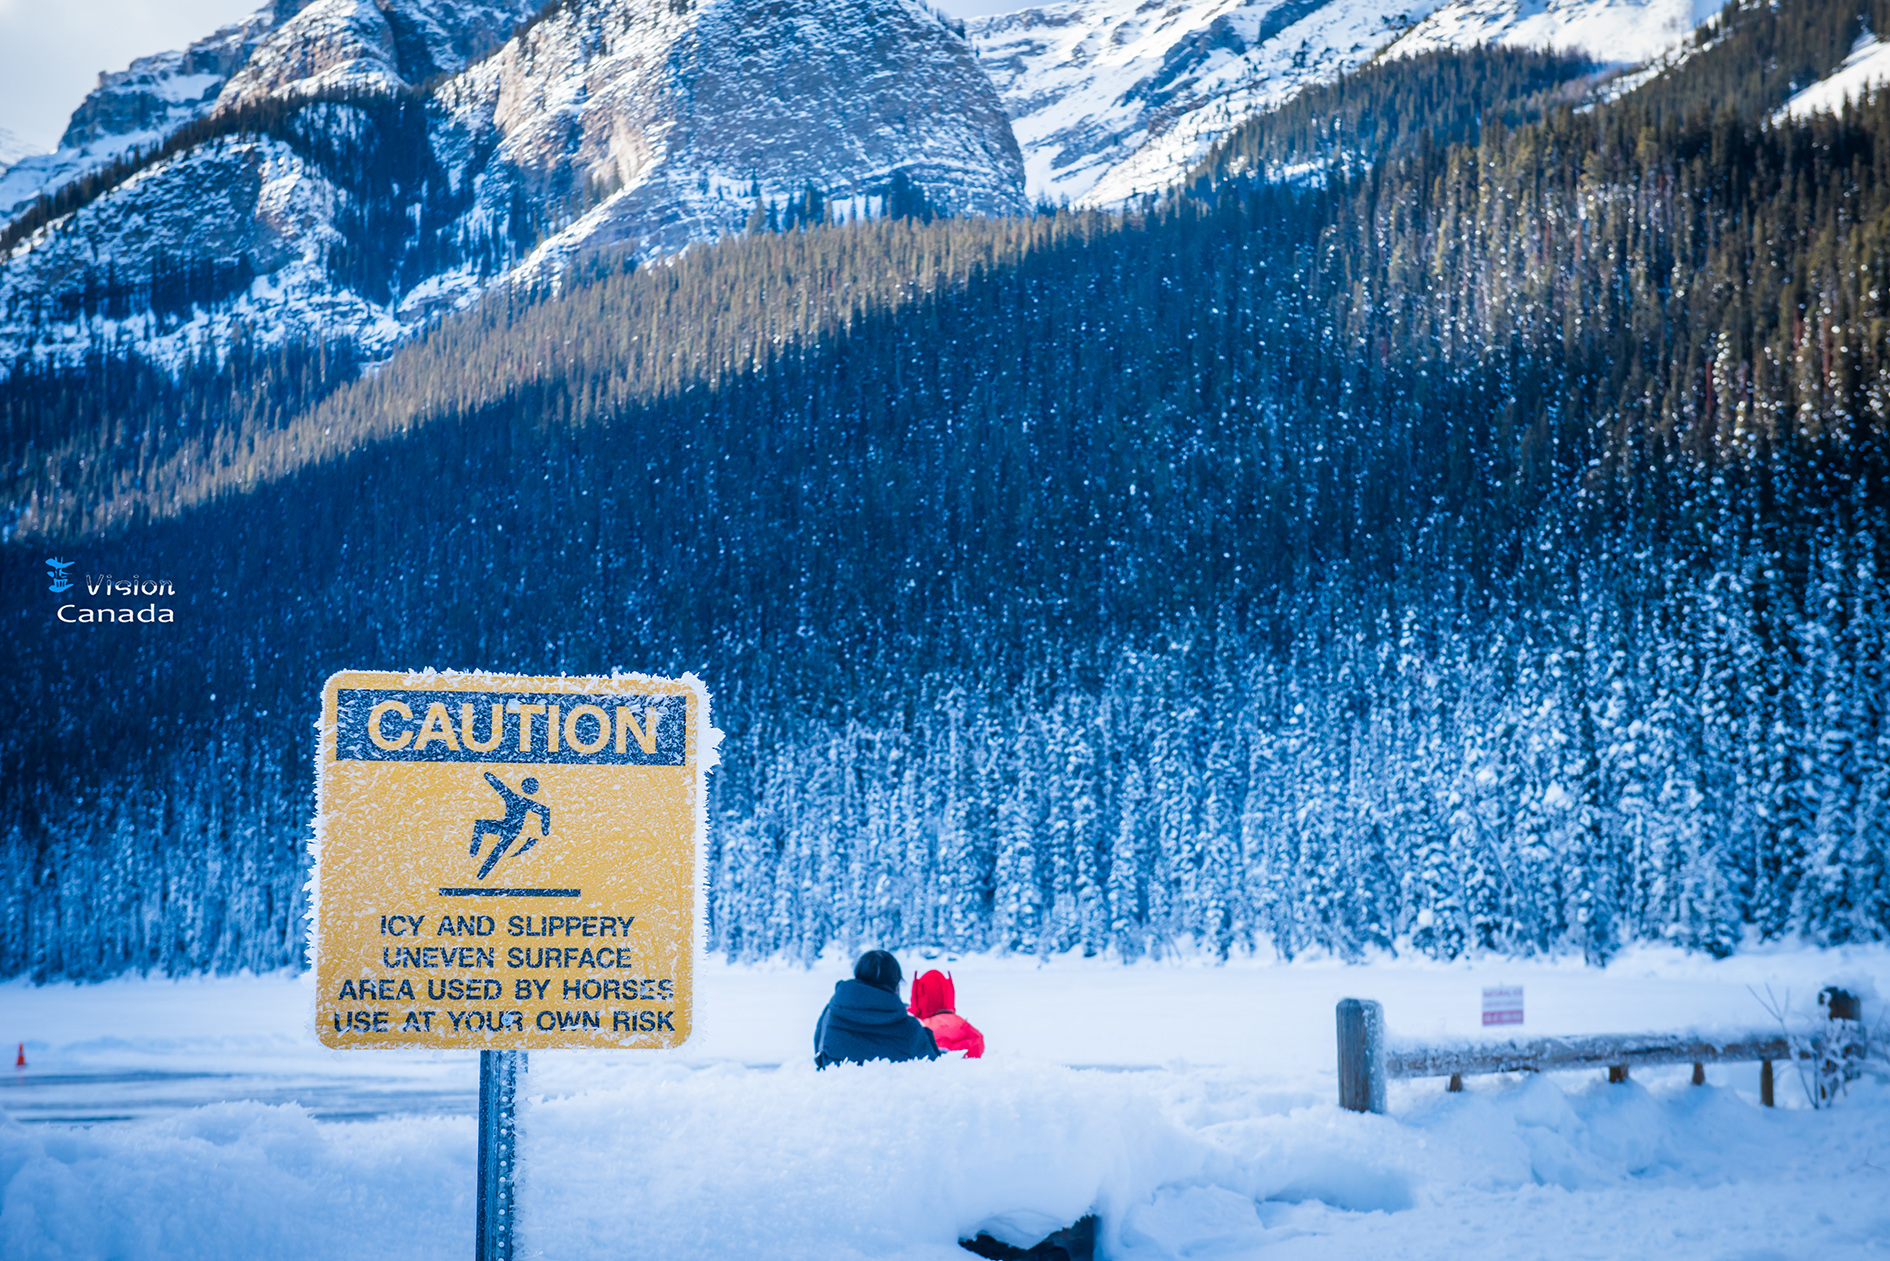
x: 116, y: 597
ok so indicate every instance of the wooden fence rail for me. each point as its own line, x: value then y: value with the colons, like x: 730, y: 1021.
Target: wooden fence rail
x: 1365, y: 1062
x: 1595, y: 1051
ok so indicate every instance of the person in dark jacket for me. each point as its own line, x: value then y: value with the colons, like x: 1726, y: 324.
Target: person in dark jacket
x: 864, y: 1020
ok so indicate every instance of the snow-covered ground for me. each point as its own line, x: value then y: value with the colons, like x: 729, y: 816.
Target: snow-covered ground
x: 1192, y: 1106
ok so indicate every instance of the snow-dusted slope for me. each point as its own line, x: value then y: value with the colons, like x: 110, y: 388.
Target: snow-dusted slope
x: 341, y: 45
x: 332, y: 45
x: 1619, y: 32
x: 1863, y: 72
x: 1114, y: 98
x: 1111, y: 98
x: 237, y: 202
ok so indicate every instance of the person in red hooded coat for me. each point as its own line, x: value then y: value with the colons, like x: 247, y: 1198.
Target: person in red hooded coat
x: 932, y: 1000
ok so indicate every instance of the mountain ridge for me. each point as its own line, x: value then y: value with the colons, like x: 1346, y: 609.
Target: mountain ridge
x: 602, y: 122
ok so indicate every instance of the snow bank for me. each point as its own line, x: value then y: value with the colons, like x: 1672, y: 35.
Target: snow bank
x: 876, y: 1161
x: 1204, y: 1125
x: 237, y: 1180
x: 899, y: 1161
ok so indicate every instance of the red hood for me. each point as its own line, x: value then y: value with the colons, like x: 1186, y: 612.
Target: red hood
x: 931, y: 994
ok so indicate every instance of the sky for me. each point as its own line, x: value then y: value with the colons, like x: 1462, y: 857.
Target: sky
x: 51, y: 51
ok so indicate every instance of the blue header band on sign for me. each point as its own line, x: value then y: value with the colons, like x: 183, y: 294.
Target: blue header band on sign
x: 396, y: 725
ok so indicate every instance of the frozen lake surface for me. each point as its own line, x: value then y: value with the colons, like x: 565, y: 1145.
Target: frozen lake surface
x: 1192, y: 1106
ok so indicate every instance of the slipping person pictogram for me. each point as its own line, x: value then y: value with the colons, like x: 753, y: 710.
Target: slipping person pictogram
x: 508, y: 828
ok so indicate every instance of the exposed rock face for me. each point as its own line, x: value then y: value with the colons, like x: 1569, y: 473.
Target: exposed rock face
x: 340, y: 45
x: 332, y: 44
x: 157, y: 93
x: 347, y: 204
x: 684, y: 118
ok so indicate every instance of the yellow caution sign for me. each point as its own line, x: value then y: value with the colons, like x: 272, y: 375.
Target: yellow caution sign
x: 509, y: 863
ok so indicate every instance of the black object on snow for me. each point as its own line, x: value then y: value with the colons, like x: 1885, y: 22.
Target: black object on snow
x: 1075, y: 1242
x: 864, y: 1022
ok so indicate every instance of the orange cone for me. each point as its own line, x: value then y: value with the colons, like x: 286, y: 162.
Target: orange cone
x: 20, y: 1062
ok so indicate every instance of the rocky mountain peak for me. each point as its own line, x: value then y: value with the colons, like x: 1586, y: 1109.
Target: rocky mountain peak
x: 684, y: 118
x: 344, y: 45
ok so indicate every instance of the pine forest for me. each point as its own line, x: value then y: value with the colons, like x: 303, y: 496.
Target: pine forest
x: 1455, y: 521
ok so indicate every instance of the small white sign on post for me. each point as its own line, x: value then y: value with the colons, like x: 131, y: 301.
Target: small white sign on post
x: 1502, y: 1005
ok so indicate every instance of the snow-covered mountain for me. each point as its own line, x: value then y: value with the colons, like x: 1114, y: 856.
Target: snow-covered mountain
x: 1111, y: 98
x: 681, y: 119
x: 135, y: 107
x: 284, y: 47
x: 1618, y: 32
x: 1115, y: 98
x: 357, y: 167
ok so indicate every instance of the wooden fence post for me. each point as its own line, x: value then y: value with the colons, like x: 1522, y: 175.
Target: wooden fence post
x: 1765, y: 1082
x: 1361, y: 1055
x: 1839, y: 1004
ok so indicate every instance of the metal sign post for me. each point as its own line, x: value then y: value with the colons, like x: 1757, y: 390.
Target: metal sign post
x: 507, y: 863
x: 498, y: 1084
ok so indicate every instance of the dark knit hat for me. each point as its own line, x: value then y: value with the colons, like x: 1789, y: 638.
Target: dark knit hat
x: 877, y: 967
